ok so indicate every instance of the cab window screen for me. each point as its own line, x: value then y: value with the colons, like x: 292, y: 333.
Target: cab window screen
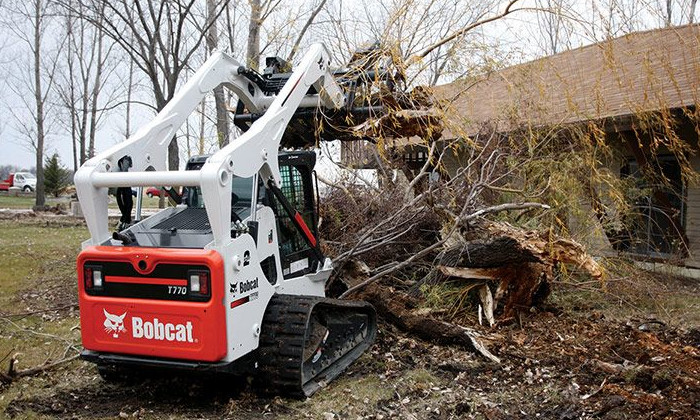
x: 241, y: 187
x: 296, y: 187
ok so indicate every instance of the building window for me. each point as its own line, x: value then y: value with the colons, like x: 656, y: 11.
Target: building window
x: 415, y: 159
x: 650, y: 226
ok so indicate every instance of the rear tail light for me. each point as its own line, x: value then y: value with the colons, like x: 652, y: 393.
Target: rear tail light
x: 87, y: 273
x: 199, y: 282
x: 204, y: 283
x: 93, y: 277
x: 97, y: 278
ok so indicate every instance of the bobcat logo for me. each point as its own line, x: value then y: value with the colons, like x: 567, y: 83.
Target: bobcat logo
x: 114, y: 324
x: 234, y: 287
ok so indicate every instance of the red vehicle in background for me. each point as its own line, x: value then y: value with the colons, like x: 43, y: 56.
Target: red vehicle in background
x: 155, y: 192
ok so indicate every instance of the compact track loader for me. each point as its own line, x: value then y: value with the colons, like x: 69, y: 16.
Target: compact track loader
x: 232, y: 278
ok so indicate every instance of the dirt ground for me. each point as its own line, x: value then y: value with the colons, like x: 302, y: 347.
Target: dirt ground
x: 629, y: 351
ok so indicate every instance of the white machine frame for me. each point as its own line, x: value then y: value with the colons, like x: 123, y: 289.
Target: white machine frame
x: 254, y: 152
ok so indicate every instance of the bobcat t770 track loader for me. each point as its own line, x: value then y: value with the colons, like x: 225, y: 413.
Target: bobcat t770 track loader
x: 232, y: 277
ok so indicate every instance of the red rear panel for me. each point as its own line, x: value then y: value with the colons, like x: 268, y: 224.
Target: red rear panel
x: 145, y: 306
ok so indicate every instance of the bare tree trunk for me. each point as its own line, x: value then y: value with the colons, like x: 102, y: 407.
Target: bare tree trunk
x: 173, y: 155
x: 85, y: 79
x: 83, y: 124
x: 74, y: 132
x: 669, y: 11
x: 201, y: 127
x: 39, y: 98
x: 253, y: 51
x: 212, y: 38
x: 187, y: 139
x: 71, y: 94
x: 222, y: 129
x: 229, y: 28
x: 691, y: 16
x: 96, y: 91
x: 306, y: 27
x: 129, y: 90
x: 85, y: 69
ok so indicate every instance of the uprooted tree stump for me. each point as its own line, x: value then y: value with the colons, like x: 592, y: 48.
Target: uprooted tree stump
x: 518, y: 264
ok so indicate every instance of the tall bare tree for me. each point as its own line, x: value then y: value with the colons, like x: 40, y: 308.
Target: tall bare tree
x: 260, y: 11
x: 97, y: 81
x: 553, y: 25
x: 39, y: 14
x: 42, y: 68
x: 69, y: 97
x: 160, y: 38
x: 255, y: 22
x: 222, y: 126
x: 81, y: 84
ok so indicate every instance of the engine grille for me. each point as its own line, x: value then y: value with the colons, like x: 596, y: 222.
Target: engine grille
x: 187, y: 219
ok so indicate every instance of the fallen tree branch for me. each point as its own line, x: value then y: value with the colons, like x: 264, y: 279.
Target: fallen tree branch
x: 13, y: 374
x: 597, y: 390
x: 422, y: 174
x: 379, y: 243
x: 40, y: 311
x: 500, y: 208
x: 398, y: 266
x: 397, y: 307
x: 613, y: 368
x: 337, y: 185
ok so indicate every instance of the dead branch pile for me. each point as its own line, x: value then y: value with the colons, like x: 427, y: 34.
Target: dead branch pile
x: 362, y: 223
x: 394, y: 251
x: 431, y: 243
x: 405, y: 115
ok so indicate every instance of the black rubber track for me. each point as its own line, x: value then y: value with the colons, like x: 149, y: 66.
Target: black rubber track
x: 281, y: 366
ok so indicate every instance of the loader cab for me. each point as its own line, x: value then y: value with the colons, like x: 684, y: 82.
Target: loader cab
x: 299, y: 188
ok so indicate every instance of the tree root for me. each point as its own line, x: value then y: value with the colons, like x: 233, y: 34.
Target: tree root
x: 398, y: 308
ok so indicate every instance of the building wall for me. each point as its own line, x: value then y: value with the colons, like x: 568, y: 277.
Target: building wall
x: 451, y: 162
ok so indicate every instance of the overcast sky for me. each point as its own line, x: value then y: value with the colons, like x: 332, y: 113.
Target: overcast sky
x: 516, y: 37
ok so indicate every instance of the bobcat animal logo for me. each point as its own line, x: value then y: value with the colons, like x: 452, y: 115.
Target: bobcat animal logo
x: 234, y: 287
x: 114, y: 324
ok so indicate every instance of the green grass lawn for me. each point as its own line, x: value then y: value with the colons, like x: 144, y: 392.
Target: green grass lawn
x: 7, y: 202
x: 23, y: 203
x: 32, y: 250
x: 37, y: 275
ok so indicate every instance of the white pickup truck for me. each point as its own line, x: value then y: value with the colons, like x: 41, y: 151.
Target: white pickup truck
x: 25, y: 181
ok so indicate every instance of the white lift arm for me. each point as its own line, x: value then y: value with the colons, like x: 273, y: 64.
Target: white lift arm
x: 253, y: 152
